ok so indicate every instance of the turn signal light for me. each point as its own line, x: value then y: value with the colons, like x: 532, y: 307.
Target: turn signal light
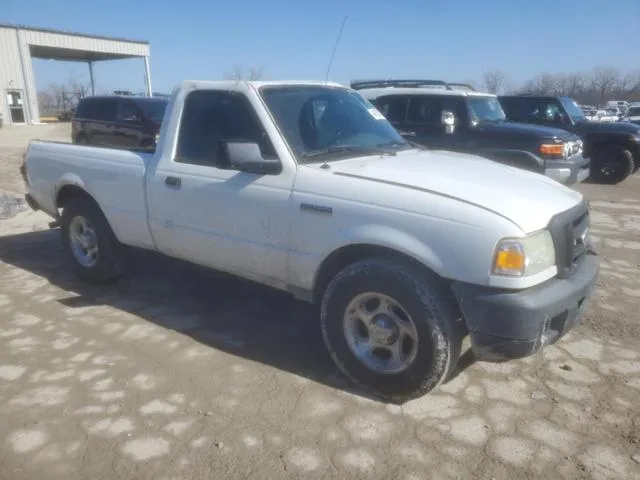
x: 553, y: 149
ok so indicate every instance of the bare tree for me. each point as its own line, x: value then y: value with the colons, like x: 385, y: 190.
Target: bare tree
x: 603, y: 82
x: 495, y: 81
x: 254, y: 73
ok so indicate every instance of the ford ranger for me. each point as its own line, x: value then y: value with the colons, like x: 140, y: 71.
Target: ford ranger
x: 307, y: 188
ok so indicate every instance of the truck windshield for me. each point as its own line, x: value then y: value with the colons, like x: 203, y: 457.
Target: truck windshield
x: 323, y: 123
x: 486, y: 109
x: 572, y: 109
x: 633, y: 112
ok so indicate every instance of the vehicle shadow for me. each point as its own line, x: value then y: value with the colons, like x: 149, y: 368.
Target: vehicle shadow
x: 216, y: 309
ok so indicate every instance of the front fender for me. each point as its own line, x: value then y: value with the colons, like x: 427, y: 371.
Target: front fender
x: 515, y: 158
x: 387, y: 237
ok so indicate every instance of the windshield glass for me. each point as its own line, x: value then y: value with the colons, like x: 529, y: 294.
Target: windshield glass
x: 486, y: 109
x: 320, y: 122
x: 153, y: 109
x: 572, y: 108
x: 633, y: 112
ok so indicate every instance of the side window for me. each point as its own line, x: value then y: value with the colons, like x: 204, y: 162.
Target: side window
x: 511, y: 107
x: 210, y: 117
x: 128, y: 111
x: 82, y: 109
x: 105, y: 109
x: 393, y: 107
x: 543, y: 111
x: 427, y: 110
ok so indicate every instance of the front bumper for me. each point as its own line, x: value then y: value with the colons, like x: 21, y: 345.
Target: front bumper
x: 575, y: 169
x: 506, y: 324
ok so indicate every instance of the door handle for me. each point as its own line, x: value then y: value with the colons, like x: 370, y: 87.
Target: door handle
x: 407, y: 134
x: 173, y: 181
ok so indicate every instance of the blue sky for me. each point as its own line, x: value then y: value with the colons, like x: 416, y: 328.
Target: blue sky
x: 455, y: 40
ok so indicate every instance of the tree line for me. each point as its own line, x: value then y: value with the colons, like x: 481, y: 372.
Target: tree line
x: 595, y: 87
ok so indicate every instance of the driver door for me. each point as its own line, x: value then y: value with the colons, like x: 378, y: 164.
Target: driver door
x: 202, y: 210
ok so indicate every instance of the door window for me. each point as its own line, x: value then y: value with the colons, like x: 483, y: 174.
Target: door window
x: 104, y: 109
x: 427, y: 109
x: 211, y: 117
x: 128, y: 111
x: 539, y: 110
x: 393, y: 107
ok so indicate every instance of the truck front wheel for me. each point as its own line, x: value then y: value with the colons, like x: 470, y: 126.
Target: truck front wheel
x: 89, y: 242
x: 611, y: 164
x: 390, y: 328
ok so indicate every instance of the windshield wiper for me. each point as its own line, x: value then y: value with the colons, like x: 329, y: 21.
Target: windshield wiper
x: 348, y: 148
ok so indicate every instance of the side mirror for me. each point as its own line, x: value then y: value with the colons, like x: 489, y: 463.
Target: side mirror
x: 246, y: 157
x: 449, y: 121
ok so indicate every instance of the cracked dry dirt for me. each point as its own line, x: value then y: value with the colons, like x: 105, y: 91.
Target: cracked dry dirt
x: 177, y: 372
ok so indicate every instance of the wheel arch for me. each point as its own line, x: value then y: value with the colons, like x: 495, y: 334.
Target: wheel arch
x: 353, y: 252
x: 75, y: 189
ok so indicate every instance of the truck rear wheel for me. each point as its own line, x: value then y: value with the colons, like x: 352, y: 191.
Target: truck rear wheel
x: 89, y: 242
x: 611, y: 164
x: 391, y: 329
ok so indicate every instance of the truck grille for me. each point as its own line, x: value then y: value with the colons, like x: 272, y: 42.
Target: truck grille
x: 570, y: 232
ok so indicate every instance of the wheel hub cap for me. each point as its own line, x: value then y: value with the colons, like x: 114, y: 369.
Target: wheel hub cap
x: 383, y: 330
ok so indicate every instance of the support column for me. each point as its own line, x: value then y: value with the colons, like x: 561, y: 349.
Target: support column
x: 147, y: 76
x: 93, y: 84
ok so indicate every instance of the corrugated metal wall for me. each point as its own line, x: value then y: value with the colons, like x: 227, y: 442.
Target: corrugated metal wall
x: 10, y: 69
x: 11, y: 66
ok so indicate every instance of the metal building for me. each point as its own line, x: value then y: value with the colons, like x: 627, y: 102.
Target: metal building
x: 19, y: 44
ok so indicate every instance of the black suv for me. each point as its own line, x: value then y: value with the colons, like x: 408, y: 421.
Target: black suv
x: 118, y: 122
x: 613, y: 148
x: 455, y: 117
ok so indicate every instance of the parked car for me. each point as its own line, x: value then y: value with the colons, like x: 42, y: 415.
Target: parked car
x: 307, y: 188
x: 613, y: 148
x: 633, y: 113
x: 420, y: 110
x: 118, y: 121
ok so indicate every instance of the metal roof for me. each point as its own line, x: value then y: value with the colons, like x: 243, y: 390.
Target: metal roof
x: 67, y: 32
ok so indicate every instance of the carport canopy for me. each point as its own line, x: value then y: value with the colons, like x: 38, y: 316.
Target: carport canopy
x: 89, y: 56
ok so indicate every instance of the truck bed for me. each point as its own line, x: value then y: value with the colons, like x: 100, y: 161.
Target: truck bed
x: 116, y: 178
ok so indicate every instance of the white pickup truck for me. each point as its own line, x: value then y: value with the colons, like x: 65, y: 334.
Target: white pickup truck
x: 306, y: 187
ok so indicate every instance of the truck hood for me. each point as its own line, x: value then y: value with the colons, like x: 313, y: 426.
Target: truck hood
x: 621, y: 128
x: 515, y: 128
x: 527, y: 199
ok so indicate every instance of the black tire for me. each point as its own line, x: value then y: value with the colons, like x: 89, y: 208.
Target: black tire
x: 427, y: 302
x: 109, y: 264
x: 611, y: 164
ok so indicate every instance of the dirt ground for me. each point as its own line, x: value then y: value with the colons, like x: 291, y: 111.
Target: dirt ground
x: 181, y: 373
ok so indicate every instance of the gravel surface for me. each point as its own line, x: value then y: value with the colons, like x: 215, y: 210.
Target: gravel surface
x: 181, y: 373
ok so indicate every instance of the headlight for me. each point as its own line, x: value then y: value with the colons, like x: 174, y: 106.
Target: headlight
x: 523, y: 257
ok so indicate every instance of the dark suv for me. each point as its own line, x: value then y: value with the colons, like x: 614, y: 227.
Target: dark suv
x: 455, y: 117
x: 613, y: 148
x: 118, y: 122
